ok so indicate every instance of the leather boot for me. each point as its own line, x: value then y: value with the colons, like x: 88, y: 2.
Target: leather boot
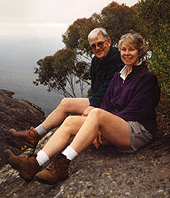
x: 27, y: 166
x: 30, y: 137
x: 57, y: 170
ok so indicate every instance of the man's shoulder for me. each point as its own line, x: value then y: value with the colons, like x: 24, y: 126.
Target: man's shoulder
x: 114, y: 50
x: 114, y: 54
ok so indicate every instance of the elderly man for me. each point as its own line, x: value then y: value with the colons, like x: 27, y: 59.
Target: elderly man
x: 104, y: 64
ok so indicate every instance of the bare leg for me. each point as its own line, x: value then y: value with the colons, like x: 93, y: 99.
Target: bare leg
x: 113, y: 128
x: 67, y: 106
x: 85, y: 129
x: 60, y: 138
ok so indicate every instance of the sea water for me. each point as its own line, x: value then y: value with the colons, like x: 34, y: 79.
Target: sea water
x: 18, y: 58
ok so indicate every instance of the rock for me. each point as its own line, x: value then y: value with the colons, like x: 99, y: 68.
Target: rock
x: 102, y: 173
x: 18, y: 114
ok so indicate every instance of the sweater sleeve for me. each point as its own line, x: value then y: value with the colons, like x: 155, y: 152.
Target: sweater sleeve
x: 106, y: 105
x: 144, y: 100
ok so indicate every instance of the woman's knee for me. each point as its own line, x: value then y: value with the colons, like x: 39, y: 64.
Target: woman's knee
x: 96, y: 112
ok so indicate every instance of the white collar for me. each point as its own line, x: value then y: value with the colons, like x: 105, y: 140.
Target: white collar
x: 124, y: 69
x: 123, y: 72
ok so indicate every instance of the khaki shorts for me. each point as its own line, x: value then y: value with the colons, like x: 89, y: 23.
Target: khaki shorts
x: 139, y: 136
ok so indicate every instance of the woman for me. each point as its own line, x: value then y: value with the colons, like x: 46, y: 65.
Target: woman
x: 126, y: 119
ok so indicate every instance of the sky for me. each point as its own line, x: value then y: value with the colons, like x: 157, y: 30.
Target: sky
x: 47, y: 18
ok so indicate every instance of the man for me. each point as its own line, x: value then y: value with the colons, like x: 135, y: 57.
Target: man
x: 104, y: 64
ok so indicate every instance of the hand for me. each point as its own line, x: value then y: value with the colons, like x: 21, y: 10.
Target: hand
x: 87, y: 111
x: 100, y: 139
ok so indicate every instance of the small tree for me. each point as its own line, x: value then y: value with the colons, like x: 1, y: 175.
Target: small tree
x: 63, y: 73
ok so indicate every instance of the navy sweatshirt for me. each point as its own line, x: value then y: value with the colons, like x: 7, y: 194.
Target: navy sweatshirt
x: 102, y: 72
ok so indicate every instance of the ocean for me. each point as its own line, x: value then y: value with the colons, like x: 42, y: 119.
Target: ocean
x: 18, y: 58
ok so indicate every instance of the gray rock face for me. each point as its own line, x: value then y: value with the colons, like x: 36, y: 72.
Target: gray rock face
x: 17, y: 114
x: 102, y: 173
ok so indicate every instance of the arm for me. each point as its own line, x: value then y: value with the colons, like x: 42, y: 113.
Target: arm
x: 144, y: 101
x: 98, y: 97
x: 87, y: 111
x: 105, y: 105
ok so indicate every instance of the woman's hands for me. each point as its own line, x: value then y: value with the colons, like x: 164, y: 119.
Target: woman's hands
x: 100, y: 139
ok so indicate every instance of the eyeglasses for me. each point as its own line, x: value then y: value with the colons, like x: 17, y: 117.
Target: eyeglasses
x: 99, y: 44
x: 133, y: 35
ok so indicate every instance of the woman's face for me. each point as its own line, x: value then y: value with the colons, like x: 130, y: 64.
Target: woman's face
x: 129, y: 55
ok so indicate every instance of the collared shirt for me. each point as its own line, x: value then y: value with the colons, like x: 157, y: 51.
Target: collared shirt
x: 124, y: 71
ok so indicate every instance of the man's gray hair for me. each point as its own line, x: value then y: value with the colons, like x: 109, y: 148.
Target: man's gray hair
x: 94, y: 33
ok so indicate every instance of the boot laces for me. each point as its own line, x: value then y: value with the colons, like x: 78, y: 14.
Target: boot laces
x: 56, y: 162
x: 31, y: 132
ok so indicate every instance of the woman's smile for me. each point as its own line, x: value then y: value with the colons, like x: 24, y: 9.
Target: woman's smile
x: 129, y: 55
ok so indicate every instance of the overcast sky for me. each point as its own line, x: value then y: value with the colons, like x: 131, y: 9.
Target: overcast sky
x: 46, y: 17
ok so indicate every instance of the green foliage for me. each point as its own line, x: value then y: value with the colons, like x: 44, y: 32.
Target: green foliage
x: 118, y: 20
x: 76, y: 35
x: 160, y: 63
x: 45, y: 71
x: 62, y: 72
x: 72, y: 35
x: 155, y: 17
x: 154, y: 12
x: 152, y: 15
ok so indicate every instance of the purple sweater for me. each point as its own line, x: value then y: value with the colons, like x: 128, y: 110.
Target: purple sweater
x: 135, y: 99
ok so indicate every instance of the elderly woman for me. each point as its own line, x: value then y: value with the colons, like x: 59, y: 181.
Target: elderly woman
x: 126, y: 119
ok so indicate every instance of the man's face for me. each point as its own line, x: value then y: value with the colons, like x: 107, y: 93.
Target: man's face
x: 100, y: 46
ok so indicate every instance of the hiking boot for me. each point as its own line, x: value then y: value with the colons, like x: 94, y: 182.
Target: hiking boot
x: 27, y: 166
x: 29, y: 137
x: 57, y: 170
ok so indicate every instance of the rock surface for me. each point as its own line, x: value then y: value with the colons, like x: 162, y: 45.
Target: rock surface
x: 103, y: 173
x: 18, y: 114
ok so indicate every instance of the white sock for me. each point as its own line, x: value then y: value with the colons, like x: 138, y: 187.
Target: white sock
x: 42, y: 157
x: 41, y: 130
x: 70, y: 153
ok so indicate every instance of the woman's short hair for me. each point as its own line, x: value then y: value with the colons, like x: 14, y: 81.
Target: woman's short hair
x: 134, y: 39
x: 95, y: 32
